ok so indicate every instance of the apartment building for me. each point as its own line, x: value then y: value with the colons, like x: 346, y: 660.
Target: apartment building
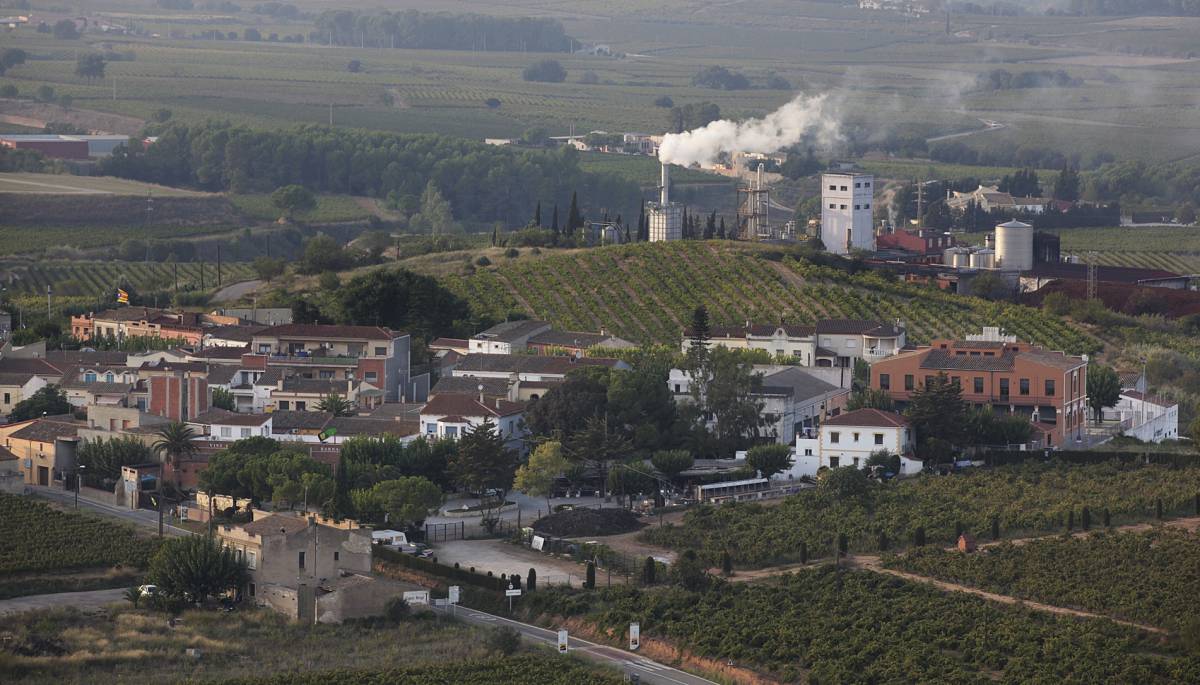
x: 1049, y: 388
x: 147, y: 322
x: 828, y: 343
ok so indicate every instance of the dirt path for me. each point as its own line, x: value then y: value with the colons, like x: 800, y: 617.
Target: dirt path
x: 873, y: 564
x: 512, y: 290
x: 236, y: 291
x: 78, y: 600
x: 790, y: 277
x: 628, y: 543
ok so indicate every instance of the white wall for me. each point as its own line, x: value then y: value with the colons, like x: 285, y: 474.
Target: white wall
x: 842, y: 226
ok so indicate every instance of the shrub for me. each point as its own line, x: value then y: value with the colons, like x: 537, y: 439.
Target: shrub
x: 512, y: 253
x: 483, y: 261
x: 396, y: 609
x: 503, y: 640
x: 545, y: 71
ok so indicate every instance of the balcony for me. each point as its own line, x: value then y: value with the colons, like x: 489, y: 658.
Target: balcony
x: 311, y: 360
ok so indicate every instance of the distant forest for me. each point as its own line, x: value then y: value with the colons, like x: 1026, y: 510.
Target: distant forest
x: 441, y: 31
x: 483, y: 183
x: 1183, y: 8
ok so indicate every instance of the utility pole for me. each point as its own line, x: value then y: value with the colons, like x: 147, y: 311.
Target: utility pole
x: 48, y: 301
x: 114, y: 80
x: 331, y: 114
x: 218, y: 265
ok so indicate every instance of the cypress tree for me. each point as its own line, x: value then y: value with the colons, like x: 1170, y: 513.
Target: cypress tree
x: 554, y: 220
x: 721, y: 230
x: 1086, y: 518
x: 883, y: 541
x: 1107, y: 519
x: 590, y: 580
x: 919, y: 537
x: 698, y: 349
x: 1071, y: 520
x: 842, y: 544
x: 995, y: 527
x: 515, y: 581
x: 574, y: 220
x: 710, y: 226
x: 958, y: 529
x: 342, y: 506
x: 642, y: 232
x: 537, y: 215
x: 1158, y: 509
x: 531, y: 580
x: 1196, y: 505
x: 803, y: 552
x: 648, y: 571
x: 726, y: 564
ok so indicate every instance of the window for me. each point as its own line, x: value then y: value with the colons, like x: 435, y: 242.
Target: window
x: 858, y: 206
x: 866, y: 206
x: 301, y: 406
x: 856, y: 462
x: 1024, y: 386
x: 835, y: 437
x: 451, y: 431
x: 284, y: 405
x: 841, y: 206
x: 7, y: 398
x: 979, y: 385
x: 372, y: 376
x: 245, y: 432
x: 89, y: 377
x: 1049, y: 387
x: 908, y: 381
x: 833, y: 187
x: 856, y: 437
x: 832, y: 205
x: 866, y: 184
x: 834, y: 462
x: 808, y: 451
x: 108, y: 377
x: 676, y: 388
x: 1004, y: 387
x: 956, y: 381
x: 858, y: 185
x: 301, y: 560
x: 141, y: 404
x: 928, y: 381
x: 251, y: 588
x: 845, y: 188
x: 885, y: 381
x: 326, y: 375
x: 226, y: 432
x: 380, y: 351
x: 335, y: 556
x: 430, y: 428
x: 879, y: 438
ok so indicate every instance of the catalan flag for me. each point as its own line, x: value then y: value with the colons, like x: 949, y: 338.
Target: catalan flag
x: 122, y: 297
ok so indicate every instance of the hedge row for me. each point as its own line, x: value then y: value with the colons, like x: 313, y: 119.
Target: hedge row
x: 441, y: 570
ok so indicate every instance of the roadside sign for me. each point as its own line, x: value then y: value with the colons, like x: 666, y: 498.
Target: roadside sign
x: 562, y: 642
x: 441, y: 602
x: 454, y: 590
x: 417, y: 597
x: 635, y: 636
x: 512, y: 593
x: 538, y: 542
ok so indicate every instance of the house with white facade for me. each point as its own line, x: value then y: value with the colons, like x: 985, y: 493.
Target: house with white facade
x: 449, y: 416
x: 506, y: 338
x: 220, y: 424
x: 828, y: 343
x: 527, y: 368
x: 1145, y: 417
x: 851, y: 438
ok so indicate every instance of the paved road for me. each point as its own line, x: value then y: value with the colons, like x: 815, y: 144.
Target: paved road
x: 139, y: 517
x: 79, y: 600
x: 236, y: 291
x: 628, y: 663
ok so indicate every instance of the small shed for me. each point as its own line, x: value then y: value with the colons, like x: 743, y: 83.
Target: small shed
x: 966, y: 543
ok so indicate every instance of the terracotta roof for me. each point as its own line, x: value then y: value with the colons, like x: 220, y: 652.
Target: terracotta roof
x: 222, y: 374
x: 30, y: 367
x: 464, y: 405
x: 577, y: 339
x: 285, y: 420
x: 796, y: 383
x: 398, y: 411
x: 510, y: 331
x: 520, y: 363
x: 314, y: 386
x: 858, y: 327
x: 870, y: 418
x: 276, y: 524
x: 93, y: 358
x: 16, y: 378
x: 313, y: 330
x: 218, y: 352
x: 48, y: 430
x: 448, y: 343
x: 174, y: 366
x: 6, y: 454
x: 358, y: 425
x: 229, y: 418
x: 943, y: 360
x: 242, y: 333
x: 465, y: 385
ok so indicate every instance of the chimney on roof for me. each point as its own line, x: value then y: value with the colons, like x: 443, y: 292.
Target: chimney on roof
x: 497, y: 403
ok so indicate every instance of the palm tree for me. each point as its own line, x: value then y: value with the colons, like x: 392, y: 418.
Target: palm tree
x: 175, y: 442
x: 336, y: 404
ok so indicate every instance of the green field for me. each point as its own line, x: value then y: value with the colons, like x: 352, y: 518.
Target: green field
x: 888, y: 73
x: 56, y: 184
x: 100, y: 279
x: 1172, y: 248
x: 646, y: 293
x: 329, y: 209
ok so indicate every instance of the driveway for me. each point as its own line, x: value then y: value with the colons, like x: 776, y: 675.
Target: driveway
x: 91, y: 599
x: 501, y: 557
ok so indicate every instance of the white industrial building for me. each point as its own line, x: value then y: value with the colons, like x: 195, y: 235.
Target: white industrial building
x: 850, y: 439
x: 1009, y: 248
x: 1147, y: 418
x: 665, y: 218
x: 846, y: 222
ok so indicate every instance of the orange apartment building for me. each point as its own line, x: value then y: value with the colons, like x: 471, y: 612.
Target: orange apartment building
x: 147, y: 322
x: 1050, y: 388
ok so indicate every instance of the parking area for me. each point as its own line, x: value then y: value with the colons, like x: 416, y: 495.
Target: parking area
x: 501, y: 557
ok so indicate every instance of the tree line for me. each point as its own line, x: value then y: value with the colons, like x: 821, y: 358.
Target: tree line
x: 482, y: 183
x: 441, y: 31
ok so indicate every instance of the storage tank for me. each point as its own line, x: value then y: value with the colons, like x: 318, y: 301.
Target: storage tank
x: 957, y: 257
x: 1014, y: 246
x: 983, y: 259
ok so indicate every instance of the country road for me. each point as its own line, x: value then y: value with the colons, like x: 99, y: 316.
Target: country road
x: 627, y: 662
x: 75, y: 600
x: 236, y: 291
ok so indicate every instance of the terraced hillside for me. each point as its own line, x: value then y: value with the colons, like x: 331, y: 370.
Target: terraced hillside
x: 100, y: 279
x: 646, y: 293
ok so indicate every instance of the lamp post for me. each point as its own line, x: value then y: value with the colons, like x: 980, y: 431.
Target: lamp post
x: 78, y: 470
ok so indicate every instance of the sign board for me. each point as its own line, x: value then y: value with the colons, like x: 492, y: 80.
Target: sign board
x: 562, y: 642
x: 441, y: 602
x: 635, y: 636
x: 512, y: 593
x: 417, y: 597
x: 454, y: 590
x: 538, y: 542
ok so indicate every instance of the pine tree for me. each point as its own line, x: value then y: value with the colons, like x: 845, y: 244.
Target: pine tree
x: 1071, y: 520
x: 648, y: 571
x: 531, y: 580
x: 726, y: 564
x: 590, y: 579
x: 842, y: 544
x: 995, y: 527
x: 1158, y: 509
x: 698, y: 349
x: 958, y: 529
x: 919, y: 537
x: 537, y: 215
x: 1086, y: 518
x: 883, y: 541
x: 1107, y: 519
x: 803, y: 552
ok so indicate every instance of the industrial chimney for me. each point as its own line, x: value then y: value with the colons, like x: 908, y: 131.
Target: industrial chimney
x: 666, y: 184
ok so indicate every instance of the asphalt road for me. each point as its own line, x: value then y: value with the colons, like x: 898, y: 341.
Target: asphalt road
x: 139, y: 517
x: 627, y: 662
x: 78, y: 600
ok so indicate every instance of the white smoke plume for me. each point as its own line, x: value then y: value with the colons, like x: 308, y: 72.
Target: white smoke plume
x: 784, y: 127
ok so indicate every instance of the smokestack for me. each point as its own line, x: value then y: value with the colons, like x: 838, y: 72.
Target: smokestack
x: 758, y: 184
x: 666, y: 185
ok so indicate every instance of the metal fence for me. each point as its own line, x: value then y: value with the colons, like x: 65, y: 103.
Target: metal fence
x: 442, y: 532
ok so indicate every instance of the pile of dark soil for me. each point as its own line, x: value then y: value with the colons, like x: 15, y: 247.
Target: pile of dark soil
x: 574, y: 523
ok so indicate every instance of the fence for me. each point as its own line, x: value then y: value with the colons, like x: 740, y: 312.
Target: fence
x: 441, y: 570
x: 442, y: 532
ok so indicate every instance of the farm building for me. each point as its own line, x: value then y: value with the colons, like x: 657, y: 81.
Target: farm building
x: 65, y: 147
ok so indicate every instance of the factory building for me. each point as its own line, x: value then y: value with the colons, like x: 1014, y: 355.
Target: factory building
x: 665, y: 218
x: 64, y: 146
x: 846, y: 222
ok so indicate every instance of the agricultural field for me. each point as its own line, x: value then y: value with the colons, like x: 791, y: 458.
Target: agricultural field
x: 1146, y: 577
x: 38, y: 541
x: 259, y: 646
x: 1026, y: 499
x: 64, y: 184
x: 330, y: 209
x: 833, y: 626
x: 1171, y: 248
x: 100, y: 279
x: 647, y: 292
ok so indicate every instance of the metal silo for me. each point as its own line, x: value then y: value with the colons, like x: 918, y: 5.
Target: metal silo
x: 983, y: 259
x: 1014, y: 246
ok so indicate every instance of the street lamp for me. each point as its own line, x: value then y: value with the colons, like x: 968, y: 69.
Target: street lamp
x: 78, y: 470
